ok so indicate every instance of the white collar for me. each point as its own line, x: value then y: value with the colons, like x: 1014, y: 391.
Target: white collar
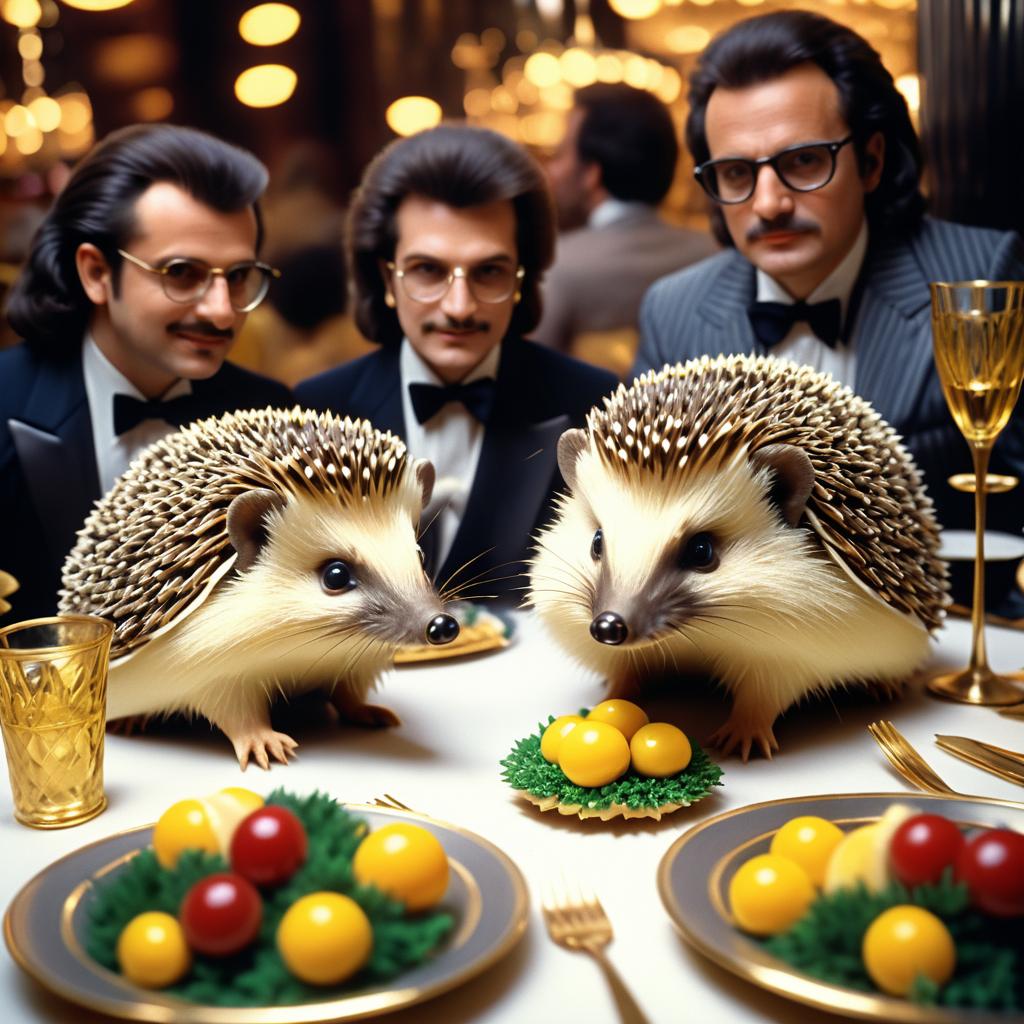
x: 612, y: 210
x: 838, y: 285
x: 415, y: 370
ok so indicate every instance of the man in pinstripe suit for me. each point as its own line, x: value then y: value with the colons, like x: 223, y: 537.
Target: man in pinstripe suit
x: 807, y: 152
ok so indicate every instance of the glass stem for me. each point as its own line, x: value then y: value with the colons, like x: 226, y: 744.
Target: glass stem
x: 979, y: 658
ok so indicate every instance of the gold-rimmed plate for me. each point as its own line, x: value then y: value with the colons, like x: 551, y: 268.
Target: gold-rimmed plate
x: 45, y: 928
x: 694, y: 876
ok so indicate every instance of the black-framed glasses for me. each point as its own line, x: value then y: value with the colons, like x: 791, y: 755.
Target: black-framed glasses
x: 802, y: 168
x: 187, y: 280
x: 429, y: 280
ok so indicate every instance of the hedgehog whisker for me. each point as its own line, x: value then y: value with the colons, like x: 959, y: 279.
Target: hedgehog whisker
x: 466, y: 565
x: 479, y: 580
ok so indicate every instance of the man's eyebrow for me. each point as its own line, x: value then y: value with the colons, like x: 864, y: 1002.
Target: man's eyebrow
x: 500, y: 257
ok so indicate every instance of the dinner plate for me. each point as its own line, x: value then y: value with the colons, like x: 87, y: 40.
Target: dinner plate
x: 694, y: 875
x: 45, y: 932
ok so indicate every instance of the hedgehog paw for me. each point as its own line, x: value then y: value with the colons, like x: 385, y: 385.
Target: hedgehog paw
x: 130, y: 725
x: 369, y: 716
x: 744, y: 735
x: 261, y: 744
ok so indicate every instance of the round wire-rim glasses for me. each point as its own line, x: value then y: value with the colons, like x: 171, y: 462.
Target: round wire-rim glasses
x: 185, y: 279
x: 488, y: 289
x: 803, y: 168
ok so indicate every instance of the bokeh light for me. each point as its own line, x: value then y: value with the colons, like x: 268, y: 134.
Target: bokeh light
x: 46, y: 112
x: 269, y: 24
x: 411, y: 114
x: 265, y: 85
x: 22, y: 13
x: 635, y: 9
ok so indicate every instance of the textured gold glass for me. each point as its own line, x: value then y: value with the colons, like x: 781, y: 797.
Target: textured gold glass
x: 978, y: 335
x: 53, y: 696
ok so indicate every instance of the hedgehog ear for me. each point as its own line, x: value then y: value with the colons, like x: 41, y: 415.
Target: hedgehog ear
x: 247, y: 523
x: 792, y: 478
x: 570, y: 445
x: 425, y: 476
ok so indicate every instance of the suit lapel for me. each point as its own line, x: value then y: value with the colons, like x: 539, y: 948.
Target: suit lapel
x: 513, y: 448
x: 893, y: 332
x: 724, y: 309
x: 379, y: 392
x: 55, y: 449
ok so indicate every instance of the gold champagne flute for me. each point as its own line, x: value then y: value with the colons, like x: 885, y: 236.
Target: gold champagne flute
x: 978, y: 334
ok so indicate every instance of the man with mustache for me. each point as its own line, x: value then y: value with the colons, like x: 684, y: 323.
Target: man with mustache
x: 812, y: 167
x: 135, y: 286
x: 449, y: 234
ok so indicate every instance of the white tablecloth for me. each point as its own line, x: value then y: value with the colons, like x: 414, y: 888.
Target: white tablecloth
x: 459, y: 719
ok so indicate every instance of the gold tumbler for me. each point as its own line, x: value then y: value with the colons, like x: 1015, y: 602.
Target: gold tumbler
x: 53, y: 697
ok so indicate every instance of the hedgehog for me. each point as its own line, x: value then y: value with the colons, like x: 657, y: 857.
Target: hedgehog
x: 259, y: 552
x: 747, y: 519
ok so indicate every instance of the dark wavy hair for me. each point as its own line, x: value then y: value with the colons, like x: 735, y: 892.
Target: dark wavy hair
x: 47, y: 305
x: 629, y: 134
x: 459, y: 166
x: 764, y: 48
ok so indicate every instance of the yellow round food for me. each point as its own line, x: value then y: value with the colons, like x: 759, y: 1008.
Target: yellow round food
x: 594, y: 754
x: 659, y: 750
x: 324, y: 938
x: 152, y: 951
x: 809, y: 841
x: 405, y: 861
x: 903, y: 942
x: 551, y: 741
x: 626, y: 716
x: 185, y: 825
x: 246, y: 797
x: 769, y: 894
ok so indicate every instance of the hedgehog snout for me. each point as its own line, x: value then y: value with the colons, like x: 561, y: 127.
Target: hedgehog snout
x: 609, y: 628
x: 442, y: 629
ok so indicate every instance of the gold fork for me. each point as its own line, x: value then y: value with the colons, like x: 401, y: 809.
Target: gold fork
x: 391, y: 802
x: 578, y: 922
x: 907, y: 761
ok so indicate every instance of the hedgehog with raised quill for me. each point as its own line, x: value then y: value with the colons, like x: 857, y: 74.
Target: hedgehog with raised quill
x: 257, y: 553
x: 747, y: 519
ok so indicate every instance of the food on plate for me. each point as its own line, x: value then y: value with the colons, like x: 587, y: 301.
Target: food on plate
x: 808, y: 841
x: 904, y: 942
x: 769, y: 893
x: 299, y: 895
x: 202, y: 824
x: 609, y: 762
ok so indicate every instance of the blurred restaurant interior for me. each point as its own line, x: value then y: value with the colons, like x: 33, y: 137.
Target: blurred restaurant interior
x: 316, y: 87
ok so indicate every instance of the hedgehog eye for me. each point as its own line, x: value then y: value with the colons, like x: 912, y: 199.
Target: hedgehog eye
x: 597, y: 546
x: 699, y: 552
x: 336, y: 576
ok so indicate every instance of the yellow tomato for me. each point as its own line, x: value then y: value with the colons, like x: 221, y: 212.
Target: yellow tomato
x: 324, y: 938
x: 623, y: 714
x: 594, y: 754
x: 246, y: 797
x: 185, y: 825
x: 660, y: 750
x: 551, y: 741
x: 809, y: 841
x: 903, y: 942
x: 152, y: 950
x: 405, y: 861
x: 769, y: 894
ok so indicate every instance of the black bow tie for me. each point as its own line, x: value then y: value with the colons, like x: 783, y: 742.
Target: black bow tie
x: 129, y: 412
x: 477, y: 397
x: 772, y: 320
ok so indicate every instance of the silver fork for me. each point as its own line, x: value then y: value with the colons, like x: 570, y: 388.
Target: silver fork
x: 579, y: 922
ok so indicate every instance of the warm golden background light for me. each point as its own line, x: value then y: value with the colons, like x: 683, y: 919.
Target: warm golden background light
x: 412, y: 114
x: 269, y: 24
x: 266, y: 85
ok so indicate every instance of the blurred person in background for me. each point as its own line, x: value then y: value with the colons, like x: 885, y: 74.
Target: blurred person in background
x: 135, y: 286
x: 449, y: 234
x: 812, y: 166
x: 613, y: 168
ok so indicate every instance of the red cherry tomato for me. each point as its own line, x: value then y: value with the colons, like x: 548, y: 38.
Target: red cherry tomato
x: 923, y: 847
x: 992, y: 865
x: 268, y: 846
x: 221, y: 914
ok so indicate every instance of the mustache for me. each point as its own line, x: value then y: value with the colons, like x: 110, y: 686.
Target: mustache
x: 449, y: 324
x: 202, y: 327
x: 784, y: 222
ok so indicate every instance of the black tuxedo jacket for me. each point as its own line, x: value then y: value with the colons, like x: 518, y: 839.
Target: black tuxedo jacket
x: 539, y: 395
x: 48, y: 475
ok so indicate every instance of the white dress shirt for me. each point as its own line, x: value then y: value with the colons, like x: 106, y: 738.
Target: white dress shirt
x: 802, y: 345
x: 451, y: 439
x: 612, y: 210
x: 102, y: 381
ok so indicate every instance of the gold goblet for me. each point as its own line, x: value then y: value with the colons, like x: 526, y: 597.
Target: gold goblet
x: 978, y: 334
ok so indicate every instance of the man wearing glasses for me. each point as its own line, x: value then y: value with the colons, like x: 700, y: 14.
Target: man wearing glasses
x: 449, y: 234
x: 812, y: 166
x: 133, y: 291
